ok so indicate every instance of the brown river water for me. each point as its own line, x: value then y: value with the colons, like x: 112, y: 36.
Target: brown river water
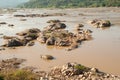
x: 103, y: 52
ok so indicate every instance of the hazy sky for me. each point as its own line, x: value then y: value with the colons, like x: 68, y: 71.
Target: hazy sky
x: 11, y: 3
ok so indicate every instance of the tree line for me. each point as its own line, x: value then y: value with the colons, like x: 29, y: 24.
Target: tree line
x: 70, y: 3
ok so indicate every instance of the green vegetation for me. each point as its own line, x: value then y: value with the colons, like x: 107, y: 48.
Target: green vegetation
x: 81, y: 67
x: 70, y: 3
x: 17, y: 75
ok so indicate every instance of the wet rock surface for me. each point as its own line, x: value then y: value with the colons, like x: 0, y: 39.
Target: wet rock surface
x: 3, y: 23
x: 47, y: 57
x: 100, y: 23
x: 22, y: 39
x: 54, y: 34
x: 14, y: 42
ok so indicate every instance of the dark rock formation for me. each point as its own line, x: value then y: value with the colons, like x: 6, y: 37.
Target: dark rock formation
x: 100, y: 23
x: 47, y: 57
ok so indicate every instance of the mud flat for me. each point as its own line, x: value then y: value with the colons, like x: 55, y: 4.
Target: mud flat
x: 101, y: 52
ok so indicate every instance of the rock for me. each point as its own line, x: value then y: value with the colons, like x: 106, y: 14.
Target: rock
x: 30, y: 43
x: 14, y: 42
x: 73, y: 46
x: 47, y: 57
x: 33, y: 30
x: 60, y: 26
x: 2, y: 49
x: 23, y: 19
x: 63, y: 37
x: 42, y: 39
x: 50, y: 41
x: 12, y: 63
x: 3, y: 23
x: 29, y: 34
x: 87, y: 31
x: 9, y: 37
x: 53, y: 21
x: 75, y: 71
x: 54, y: 34
x: 55, y: 26
x: 29, y: 31
x: 94, y: 70
x: 64, y: 43
x: 19, y: 15
x: 100, y: 23
x: 27, y: 39
x: 105, y: 23
x: 33, y: 36
x: 70, y: 69
x: 79, y: 25
x: 59, y: 14
x: 10, y: 25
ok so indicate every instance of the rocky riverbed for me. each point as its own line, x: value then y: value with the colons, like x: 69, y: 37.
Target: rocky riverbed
x: 69, y: 71
x: 46, y: 38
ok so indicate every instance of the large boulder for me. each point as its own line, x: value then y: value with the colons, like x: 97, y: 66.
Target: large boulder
x: 100, y: 23
x: 47, y: 57
x: 55, y: 26
x: 33, y: 36
x: 14, y: 42
x: 30, y: 34
x: 60, y: 26
x: 28, y: 31
x: 105, y: 23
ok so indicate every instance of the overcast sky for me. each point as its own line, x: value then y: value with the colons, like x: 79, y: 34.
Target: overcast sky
x: 11, y: 3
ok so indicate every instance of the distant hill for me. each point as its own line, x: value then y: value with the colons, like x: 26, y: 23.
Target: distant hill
x: 70, y: 3
x: 11, y: 3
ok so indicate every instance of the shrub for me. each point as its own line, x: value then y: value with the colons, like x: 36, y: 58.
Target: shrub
x: 80, y: 67
x: 1, y: 77
x: 18, y: 75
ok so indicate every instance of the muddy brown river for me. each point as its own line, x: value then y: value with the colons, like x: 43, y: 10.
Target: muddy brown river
x: 102, y: 52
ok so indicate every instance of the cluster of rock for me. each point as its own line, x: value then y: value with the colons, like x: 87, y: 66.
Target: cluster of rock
x: 54, y: 34
x: 100, y: 23
x: 40, y: 15
x: 69, y: 71
x: 25, y: 38
x: 12, y: 63
x: 74, y: 71
x: 4, y: 23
